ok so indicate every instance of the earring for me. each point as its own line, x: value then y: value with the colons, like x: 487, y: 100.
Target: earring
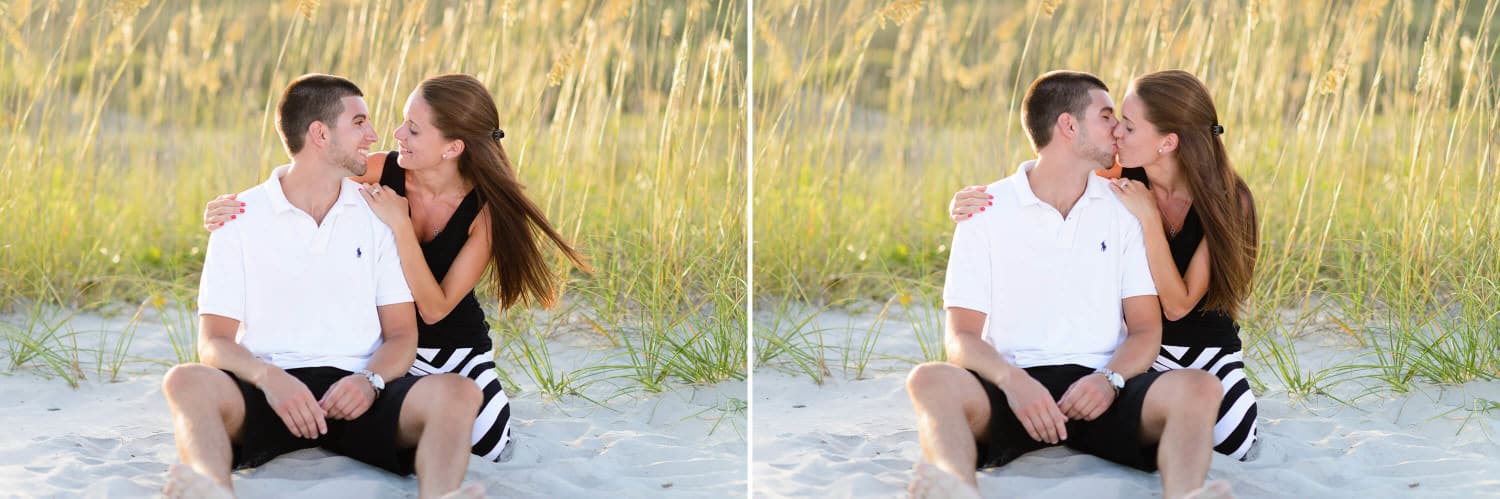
x: 445, y: 155
x: 1158, y: 151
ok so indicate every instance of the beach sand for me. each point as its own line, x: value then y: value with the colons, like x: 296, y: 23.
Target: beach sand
x: 114, y: 439
x: 857, y: 437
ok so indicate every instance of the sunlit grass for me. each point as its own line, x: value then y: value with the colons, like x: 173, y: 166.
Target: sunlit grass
x: 1365, y: 129
x: 624, y: 119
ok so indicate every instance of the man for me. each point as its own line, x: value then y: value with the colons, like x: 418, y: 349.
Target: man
x: 312, y: 284
x: 1035, y: 292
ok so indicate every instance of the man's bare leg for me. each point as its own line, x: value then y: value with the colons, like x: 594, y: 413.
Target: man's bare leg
x: 930, y: 482
x: 183, y: 482
x: 207, y: 409
x: 437, y: 418
x: 952, y: 409
x: 1179, y: 415
x: 1217, y: 489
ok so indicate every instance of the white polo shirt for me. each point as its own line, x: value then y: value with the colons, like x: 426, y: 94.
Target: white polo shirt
x: 1050, y: 287
x: 305, y: 294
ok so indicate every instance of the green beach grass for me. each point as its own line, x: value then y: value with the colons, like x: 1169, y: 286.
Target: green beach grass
x: 1365, y: 129
x: 624, y: 119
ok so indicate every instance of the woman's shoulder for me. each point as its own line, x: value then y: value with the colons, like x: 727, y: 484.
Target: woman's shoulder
x: 375, y: 166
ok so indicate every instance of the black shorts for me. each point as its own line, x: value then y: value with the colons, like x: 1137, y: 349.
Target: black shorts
x: 370, y: 438
x: 1114, y: 435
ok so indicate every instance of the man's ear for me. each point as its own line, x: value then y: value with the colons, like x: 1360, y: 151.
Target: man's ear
x: 1066, y: 126
x: 317, y: 133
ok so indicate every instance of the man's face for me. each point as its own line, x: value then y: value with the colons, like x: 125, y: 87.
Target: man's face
x: 1096, y: 141
x: 352, y: 137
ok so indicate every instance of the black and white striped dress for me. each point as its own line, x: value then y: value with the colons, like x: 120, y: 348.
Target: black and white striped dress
x: 460, y: 342
x: 492, y: 426
x: 1208, y: 340
x: 1235, y: 431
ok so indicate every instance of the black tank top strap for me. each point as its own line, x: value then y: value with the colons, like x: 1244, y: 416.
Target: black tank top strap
x: 393, y: 176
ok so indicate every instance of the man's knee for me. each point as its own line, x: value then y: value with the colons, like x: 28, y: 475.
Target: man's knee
x: 1195, y: 389
x: 456, y: 393
x: 190, y: 382
x: 932, y: 379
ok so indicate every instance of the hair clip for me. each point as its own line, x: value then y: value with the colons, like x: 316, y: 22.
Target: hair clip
x: 1217, y: 129
x: 498, y: 134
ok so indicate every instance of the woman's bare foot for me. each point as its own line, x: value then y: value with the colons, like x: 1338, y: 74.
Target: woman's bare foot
x: 1217, y: 489
x: 183, y: 482
x: 469, y: 490
x: 931, y: 482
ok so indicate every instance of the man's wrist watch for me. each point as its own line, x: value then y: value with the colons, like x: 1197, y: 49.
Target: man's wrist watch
x: 1115, y: 379
x: 375, y: 380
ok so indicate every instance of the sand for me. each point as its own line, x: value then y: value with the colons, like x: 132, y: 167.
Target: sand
x: 857, y: 438
x: 113, y: 439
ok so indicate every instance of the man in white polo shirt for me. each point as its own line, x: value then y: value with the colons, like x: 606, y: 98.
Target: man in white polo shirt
x: 1035, y: 293
x: 307, y: 328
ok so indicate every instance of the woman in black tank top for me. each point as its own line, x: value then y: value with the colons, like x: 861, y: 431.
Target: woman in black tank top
x: 451, y: 197
x: 1199, y: 227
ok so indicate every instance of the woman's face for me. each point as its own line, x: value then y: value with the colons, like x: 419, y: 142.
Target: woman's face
x: 1137, y: 139
x: 420, y: 143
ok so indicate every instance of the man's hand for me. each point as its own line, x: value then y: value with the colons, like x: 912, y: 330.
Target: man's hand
x: 349, y: 398
x: 1033, y: 405
x: 1088, y: 397
x: 293, y: 403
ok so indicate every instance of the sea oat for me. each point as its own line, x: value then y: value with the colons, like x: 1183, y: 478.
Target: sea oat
x: 125, y: 9
x: 1049, y: 7
x: 614, y: 10
x: 898, y: 12
x: 559, y: 69
x: 1333, y: 79
x: 307, y: 8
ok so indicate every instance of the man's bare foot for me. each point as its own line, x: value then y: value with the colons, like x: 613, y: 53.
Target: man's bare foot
x: 931, y: 482
x: 183, y: 482
x: 469, y: 490
x: 1217, y: 489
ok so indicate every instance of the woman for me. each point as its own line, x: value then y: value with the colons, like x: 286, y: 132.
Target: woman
x: 452, y: 199
x: 1199, y: 224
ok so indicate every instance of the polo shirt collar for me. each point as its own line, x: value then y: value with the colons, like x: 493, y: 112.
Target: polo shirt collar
x: 279, y: 203
x: 1026, y: 197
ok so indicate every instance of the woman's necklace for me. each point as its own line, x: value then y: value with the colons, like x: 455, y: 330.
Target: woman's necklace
x: 1169, y: 211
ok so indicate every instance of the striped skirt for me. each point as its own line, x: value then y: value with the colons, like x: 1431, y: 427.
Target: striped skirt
x: 492, y: 426
x: 1235, y: 432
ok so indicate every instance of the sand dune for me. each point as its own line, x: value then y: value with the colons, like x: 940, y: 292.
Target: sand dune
x: 114, y: 440
x: 857, y: 438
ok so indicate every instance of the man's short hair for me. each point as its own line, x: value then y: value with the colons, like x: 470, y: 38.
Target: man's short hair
x: 1051, y: 95
x: 309, y: 98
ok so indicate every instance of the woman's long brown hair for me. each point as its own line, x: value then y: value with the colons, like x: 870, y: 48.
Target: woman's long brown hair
x: 1176, y: 102
x: 464, y: 110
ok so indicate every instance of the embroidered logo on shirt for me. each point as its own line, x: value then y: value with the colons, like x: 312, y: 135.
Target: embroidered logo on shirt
x: 1102, y: 247
x: 358, y: 253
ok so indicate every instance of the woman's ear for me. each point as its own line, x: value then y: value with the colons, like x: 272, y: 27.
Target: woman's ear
x: 1169, y: 144
x: 455, y: 148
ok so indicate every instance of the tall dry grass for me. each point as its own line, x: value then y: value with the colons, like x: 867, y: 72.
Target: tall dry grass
x: 625, y: 120
x: 1366, y: 130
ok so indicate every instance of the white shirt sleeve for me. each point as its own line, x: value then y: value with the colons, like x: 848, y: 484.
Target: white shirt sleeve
x: 390, y: 282
x: 1135, y: 271
x: 969, y: 281
x: 221, y: 287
